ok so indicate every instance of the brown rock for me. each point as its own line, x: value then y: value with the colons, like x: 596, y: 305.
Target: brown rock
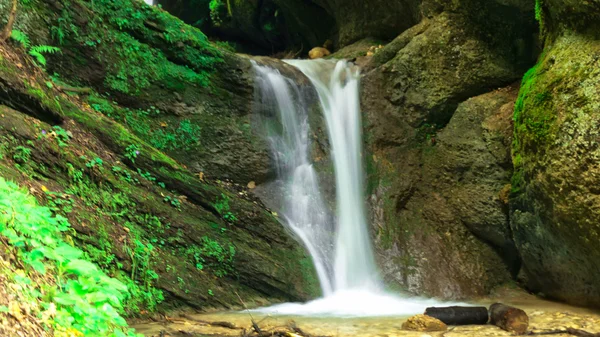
x: 318, y: 52
x: 424, y: 323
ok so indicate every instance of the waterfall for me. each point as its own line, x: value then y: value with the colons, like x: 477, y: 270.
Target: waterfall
x: 338, y: 244
x: 337, y: 85
x: 303, y: 208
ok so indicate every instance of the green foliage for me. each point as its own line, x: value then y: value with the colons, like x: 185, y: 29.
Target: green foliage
x: 184, y: 137
x: 135, y: 55
x: 59, y: 203
x: 62, y: 136
x: 38, y: 51
x: 222, y: 207
x: 96, y: 162
x: 21, y: 37
x: 85, y: 299
x: 218, y: 257
x: 215, y: 7
x: 108, y: 201
x: 539, y: 14
x: 22, y: 154
x: 132, y: 152
x: 35, y: 51
x: 173, y: 202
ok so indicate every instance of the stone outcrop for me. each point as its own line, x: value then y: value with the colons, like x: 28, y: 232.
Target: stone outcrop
x: 554, y: 201
x: 438, y: 144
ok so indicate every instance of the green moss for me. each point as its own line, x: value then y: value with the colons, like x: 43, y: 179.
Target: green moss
x: 534, y: 113
x: 539, y: 14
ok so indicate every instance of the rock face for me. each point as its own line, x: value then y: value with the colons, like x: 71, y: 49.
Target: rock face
x: 357, y: 19
x: 554, y: 201
x: 135, y: 162
x: 439, y: 162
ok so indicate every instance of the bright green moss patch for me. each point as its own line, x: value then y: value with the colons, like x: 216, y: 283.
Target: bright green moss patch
x: 534, y: 114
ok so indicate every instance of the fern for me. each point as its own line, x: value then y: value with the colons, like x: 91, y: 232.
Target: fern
x: 38, y: 52
x: 21, y: 37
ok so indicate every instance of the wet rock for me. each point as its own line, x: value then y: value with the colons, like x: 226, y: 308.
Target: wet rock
x: 439, y: 147
x: 424, y: 323
x: 318, y: 52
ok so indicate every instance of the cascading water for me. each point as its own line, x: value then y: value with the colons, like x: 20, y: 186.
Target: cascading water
x: 341, y: 251
x: 303, y: 206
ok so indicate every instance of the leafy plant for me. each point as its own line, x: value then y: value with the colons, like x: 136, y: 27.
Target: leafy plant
x: 83, y: 299
x: 218, y: 257
x: 132, y: 152
x: 222, y: 207
x: 62, y: 136
x: 22, y: 154
x: 21, y: 37
x: 215, y: 8
x: 96, y: 162
x: 173, y: 201
x: 59, y: 202
x: 36, y: 51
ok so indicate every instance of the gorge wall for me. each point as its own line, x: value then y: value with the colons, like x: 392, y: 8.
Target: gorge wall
x: 480, y: 172
x: 463, y: 198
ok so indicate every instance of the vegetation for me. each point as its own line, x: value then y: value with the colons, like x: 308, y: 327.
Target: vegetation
x: 83, y: 127
x: 36, y: 51
x: 67, y: 293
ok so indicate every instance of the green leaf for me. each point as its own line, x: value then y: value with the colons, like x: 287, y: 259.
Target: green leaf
x: 65, y: 299
x: 81, y: 267
x: 65, y: 252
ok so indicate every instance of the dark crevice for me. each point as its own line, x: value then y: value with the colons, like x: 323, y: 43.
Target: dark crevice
x: 26, y: 104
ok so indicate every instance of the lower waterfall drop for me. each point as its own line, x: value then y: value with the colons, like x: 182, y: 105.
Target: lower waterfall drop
x: 339, y: 245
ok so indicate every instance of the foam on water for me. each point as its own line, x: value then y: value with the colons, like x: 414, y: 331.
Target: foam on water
x: 355, y: 303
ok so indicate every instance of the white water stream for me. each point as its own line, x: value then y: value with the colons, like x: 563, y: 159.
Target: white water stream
x: 339, y: 245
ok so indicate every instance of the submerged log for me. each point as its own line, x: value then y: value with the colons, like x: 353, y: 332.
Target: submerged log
x: 459, y: 315
x: 509, y: 318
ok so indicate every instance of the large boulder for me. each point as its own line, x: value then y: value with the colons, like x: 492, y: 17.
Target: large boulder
x: 555, y: 200
x: 438, y: 162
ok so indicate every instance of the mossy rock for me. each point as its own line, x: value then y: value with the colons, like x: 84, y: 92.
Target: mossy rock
x: 554, y: 203
x: 130, y: 203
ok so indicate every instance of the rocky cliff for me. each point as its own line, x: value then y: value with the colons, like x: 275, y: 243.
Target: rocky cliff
x: 554, y: 201
x: 138, y: 130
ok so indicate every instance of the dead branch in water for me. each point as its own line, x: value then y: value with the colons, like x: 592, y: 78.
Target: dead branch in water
x: 254, y: 324
x: 570, y: 331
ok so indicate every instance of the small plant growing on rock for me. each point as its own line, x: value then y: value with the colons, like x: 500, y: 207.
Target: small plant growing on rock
x: 132, y: 152
x: 22, y: 154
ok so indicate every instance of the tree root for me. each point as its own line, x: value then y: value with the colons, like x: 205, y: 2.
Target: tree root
x: 11, y: 21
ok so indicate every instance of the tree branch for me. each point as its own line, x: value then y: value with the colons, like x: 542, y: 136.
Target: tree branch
x: 11, y: 21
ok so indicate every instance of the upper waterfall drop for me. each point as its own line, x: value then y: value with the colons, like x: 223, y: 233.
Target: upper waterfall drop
x: 338, y: 244
x: 338, y: 85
